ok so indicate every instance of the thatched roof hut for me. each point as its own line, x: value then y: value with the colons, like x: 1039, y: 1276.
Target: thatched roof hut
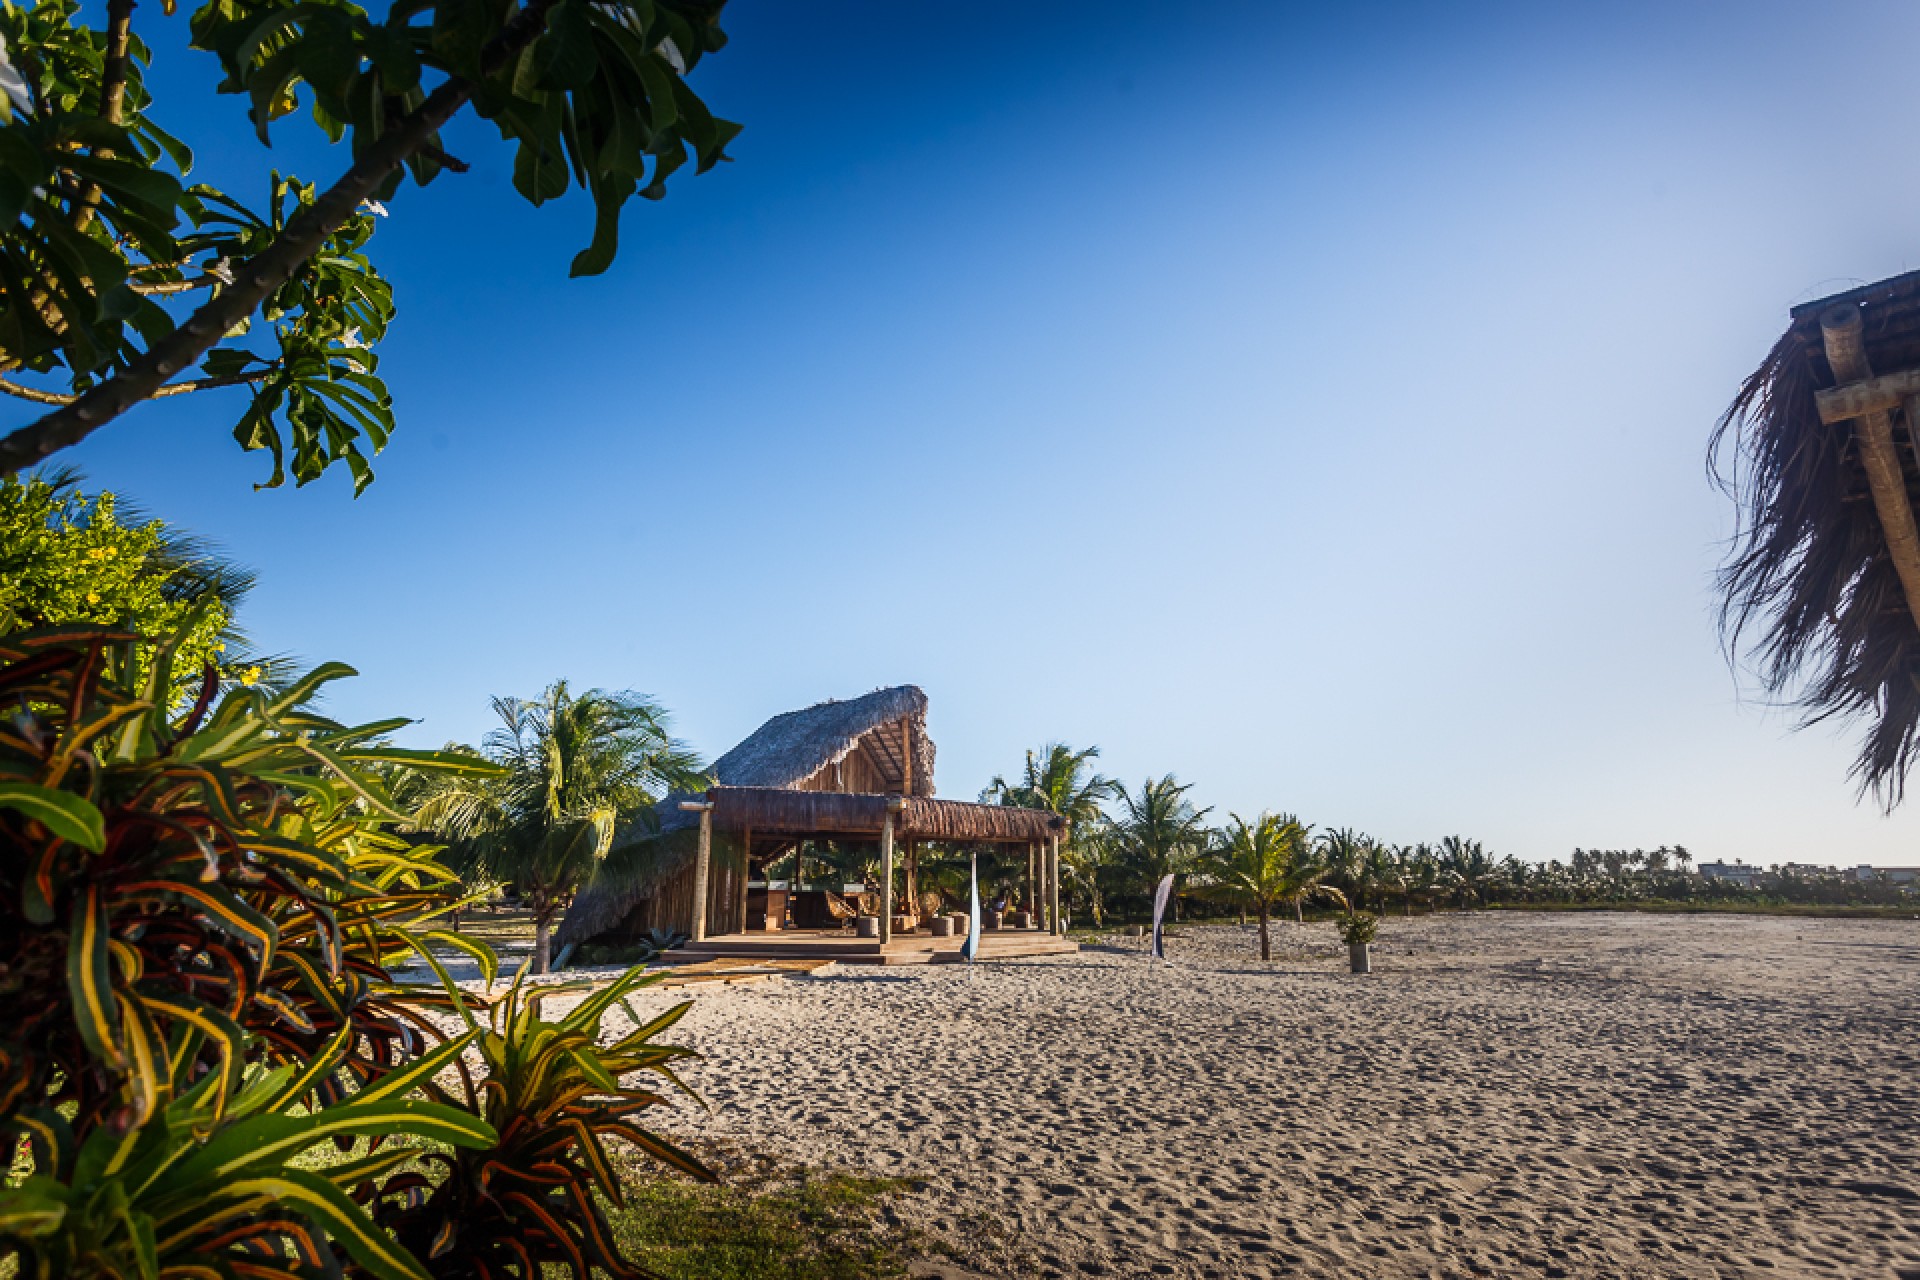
x: 853, y: 768
x: 1821, y: 589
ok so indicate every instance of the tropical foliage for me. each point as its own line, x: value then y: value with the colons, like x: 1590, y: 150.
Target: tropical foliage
x: 575, y: 769
x: 120, y: 282
x: 70, y: 557
x: 1358, y: 928
x: 1158, y: 832
x: 553, y: 1096
x: 1062, y: 781
x: 1264, y: 864
x: 202, y: 908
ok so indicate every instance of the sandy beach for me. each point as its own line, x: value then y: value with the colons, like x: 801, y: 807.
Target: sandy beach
x: 1507, y: 1095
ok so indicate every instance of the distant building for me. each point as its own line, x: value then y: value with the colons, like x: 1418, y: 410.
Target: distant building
x: 1885, y: 875
x: 1736, y: 872
x: 1808, y: 870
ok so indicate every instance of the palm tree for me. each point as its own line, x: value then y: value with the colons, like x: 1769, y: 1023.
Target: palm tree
x: 1159, y: 831
x: 1470, y: 868
x: 1385, y: 870
x: 1343, y: 850
x: 1424, y: 877
x: 578, y: 770
x: 1090, y: 859
x: 1063, y: 781
x: 1263, y: 864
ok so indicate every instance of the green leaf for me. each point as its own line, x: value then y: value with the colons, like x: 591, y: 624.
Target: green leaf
x: 330, y: 1209
x: 263, y: 1140
x: 90, y: 979
x: 454, y: 762
x: 608, y: 196
x: 564, y: 57
x: 30, y: 1209
x: 63, y: 813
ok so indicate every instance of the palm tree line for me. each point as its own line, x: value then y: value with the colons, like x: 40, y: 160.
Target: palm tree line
x: 1122, y: 841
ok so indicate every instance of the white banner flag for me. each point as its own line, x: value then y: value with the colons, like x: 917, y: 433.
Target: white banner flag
x: 971, y: 946
x: 1160, y: 899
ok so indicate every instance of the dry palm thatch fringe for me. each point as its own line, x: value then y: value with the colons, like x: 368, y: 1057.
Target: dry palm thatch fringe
x: 773, y: 809
x: 784, y: 752
x: 1810, y: 598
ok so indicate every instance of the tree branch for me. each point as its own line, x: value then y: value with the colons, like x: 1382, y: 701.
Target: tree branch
x: 171, y: 286
x: 35, y: 394
x: 113, y: 95
x: 171, y: 389
x: 266, y: 271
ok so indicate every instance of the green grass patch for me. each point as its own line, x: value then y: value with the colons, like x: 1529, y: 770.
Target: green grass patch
x: 804, y: 1226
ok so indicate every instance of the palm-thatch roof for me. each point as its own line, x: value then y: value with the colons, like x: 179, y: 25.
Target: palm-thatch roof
x: 794, y: 748
x: 889, y: 726
x: 1818, y: 591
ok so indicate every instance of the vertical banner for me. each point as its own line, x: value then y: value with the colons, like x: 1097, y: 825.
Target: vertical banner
x: 971, y: 947
x: 1160, y: 898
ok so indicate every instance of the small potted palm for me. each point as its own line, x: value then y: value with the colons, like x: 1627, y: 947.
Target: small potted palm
x: 1357, y: 930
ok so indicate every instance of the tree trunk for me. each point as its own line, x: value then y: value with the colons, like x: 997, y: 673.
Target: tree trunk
x: 1266, y: 939
x: 1094, y: 903
x: 1299, y: 915
x: 1406, y: 906
x: 542, y: 934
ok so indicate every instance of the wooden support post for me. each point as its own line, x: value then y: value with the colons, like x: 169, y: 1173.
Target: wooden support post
x: 1886, y: 479
x: 1033, y: 877
x: 913, y: 879
x: 1913, y: 427
x: 1059, y: 928
x: 886, y: 877
x: 746, y: 873
x: 702, y: 862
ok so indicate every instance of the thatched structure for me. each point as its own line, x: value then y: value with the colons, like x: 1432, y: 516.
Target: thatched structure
x: 862, y: 768
x: 1821, y: 590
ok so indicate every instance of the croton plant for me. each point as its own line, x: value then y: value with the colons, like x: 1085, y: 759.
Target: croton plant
x: 207, y: 1065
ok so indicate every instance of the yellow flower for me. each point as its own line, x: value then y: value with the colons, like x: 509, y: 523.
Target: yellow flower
x: 93, y: 597
x: 250, y: 676
x: 97, y: 553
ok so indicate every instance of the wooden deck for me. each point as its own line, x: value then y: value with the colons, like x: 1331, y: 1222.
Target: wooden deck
x: 910, y: 948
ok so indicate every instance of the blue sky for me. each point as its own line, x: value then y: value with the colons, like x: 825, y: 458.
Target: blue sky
x: 1307, y: 400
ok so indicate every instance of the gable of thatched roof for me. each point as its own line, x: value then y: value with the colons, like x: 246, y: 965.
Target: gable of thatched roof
x: 796, y: 746
x: 787, y: 751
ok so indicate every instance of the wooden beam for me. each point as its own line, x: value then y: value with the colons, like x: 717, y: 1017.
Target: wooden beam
x: 1886, y: 479
x: 1854, y: 398
x: 906, y: 755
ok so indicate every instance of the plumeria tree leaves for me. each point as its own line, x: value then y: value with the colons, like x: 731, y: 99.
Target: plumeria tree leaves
x: 121, y: 281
